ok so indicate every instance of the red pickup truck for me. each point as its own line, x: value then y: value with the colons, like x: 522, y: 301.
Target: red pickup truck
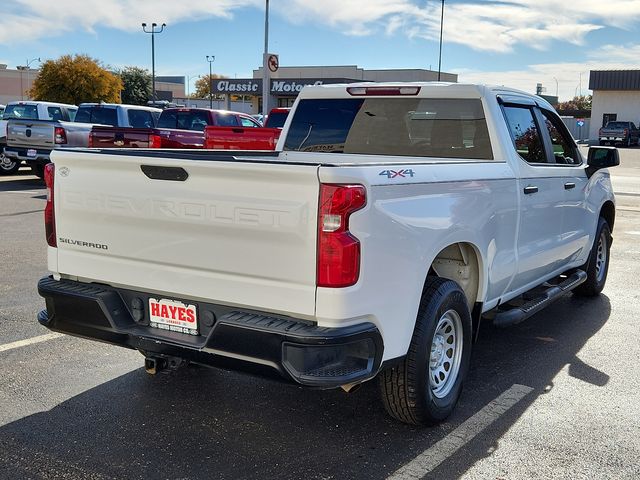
x: 234, y: 138
x: 177, y: 128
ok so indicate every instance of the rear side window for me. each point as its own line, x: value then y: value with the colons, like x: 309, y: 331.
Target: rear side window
x: 27, y: 112
x: 226, y: 120
x: 55, y: 113
x: 97, y: 114
x: 423, y: 127
x: 140, y: 118
x: 195, y: 120
x: 168, y: 119
x: 276, y: 119
x: 525, y: 134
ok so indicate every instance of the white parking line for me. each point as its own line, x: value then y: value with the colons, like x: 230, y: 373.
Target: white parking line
x: 29, y: 341
x: 438, y: 453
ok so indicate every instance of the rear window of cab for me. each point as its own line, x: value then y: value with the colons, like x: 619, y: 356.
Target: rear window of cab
x: 420, y: 127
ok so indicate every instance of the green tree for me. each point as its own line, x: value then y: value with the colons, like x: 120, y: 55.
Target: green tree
x: 136, y: 85
x: 76, y: 79
x: 203, y: 85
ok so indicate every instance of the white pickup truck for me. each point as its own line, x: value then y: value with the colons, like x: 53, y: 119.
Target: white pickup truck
x: 388, y: 223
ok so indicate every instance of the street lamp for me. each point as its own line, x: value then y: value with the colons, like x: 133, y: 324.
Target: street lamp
x: 153, y: 32
x: 22, y: 68
x: 556, y: 86
x: 441, y: 27
x: 189, y: 77
x: 210, y: 59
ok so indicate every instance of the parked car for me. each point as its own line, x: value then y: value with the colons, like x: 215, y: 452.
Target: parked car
x: 176, y: 128
x: 2, y: 107
x: 277, y: 117
x: 28, y: 111
x: 33, y: 140
x: 372, y: 244
x: 621, y: 133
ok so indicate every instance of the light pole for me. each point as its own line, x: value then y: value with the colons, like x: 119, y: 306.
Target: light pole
x: 153, y: 32
x: 265, y: 68
x: 556, y: 86
x: 210, y: 59
x: 189, y: 77
x: 23, y: 68
x: 441, y: 28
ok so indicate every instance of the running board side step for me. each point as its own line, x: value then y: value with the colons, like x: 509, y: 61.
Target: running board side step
x: 520, y: 314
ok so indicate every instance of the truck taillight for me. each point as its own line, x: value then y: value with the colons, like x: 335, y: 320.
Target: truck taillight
x: 49, y: 213
x: 60, y: 136
x: 155, y: 141
x: 600, y: 132
x: 626, y: 132
x: 90, y: 144
x: 338, y: 250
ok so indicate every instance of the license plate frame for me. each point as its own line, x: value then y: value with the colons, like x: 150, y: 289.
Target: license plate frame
x: 173, y: 315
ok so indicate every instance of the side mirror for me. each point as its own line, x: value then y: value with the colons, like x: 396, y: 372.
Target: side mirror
x: 603, y: 157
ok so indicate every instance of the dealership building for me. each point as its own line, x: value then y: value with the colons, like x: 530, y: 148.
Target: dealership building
x: 616, y: 96
x: 287, y: 82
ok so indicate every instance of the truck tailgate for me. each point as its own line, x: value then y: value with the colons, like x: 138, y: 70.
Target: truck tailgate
x: 234, y: 232
x: 30, y: 133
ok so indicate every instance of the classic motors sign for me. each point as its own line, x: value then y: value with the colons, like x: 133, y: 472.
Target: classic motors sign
x: 279, y: 86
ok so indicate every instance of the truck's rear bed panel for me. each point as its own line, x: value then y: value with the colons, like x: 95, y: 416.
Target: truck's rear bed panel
x: 233, y: 232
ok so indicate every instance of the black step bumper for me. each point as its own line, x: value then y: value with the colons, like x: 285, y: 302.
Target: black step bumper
x: 289, y: 349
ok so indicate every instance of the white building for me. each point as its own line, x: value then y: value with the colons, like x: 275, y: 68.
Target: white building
x: 616, y: 96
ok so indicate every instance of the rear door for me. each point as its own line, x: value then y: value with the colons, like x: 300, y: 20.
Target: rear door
x: 233, y: 232
x: 541, y: 190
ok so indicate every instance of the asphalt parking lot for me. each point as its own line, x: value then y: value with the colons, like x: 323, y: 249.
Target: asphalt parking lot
x: 555, y: 397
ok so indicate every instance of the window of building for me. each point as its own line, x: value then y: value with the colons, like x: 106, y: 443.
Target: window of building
x: 609, y: 117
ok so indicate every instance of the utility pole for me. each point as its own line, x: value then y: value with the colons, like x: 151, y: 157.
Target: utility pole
x: 153, y: 32
x: 210, y: 59
x: 441, y: 28
x: 266, y: 84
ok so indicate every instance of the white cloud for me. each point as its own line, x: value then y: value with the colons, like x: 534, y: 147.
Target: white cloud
x: 486, y: 25
x: 572, y: 77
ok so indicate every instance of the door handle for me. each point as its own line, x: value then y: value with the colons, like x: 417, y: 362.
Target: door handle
x: 529, y: 189
x: 569, y: 185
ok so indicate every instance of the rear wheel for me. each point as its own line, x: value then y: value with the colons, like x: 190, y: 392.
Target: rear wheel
x: 8, y: 166
x: 597, y: 266
x: 425, y: 387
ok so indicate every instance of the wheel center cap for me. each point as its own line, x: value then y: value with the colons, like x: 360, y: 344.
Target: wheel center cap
x: 437, y: 351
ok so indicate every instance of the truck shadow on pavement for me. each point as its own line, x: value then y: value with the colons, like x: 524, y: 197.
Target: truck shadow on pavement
x: 201, y: 423
x: 23, y: 180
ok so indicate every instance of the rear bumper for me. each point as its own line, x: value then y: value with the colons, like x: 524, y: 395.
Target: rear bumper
x: 42, y: 156
x: 285, y: 348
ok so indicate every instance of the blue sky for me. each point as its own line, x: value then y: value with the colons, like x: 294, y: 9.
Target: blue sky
x: 516, y: 43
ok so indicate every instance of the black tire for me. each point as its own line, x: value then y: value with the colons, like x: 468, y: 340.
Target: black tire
x: 597, y: 267
x: 7, y: 165
x: 406, y: 389
x: 38, y: 170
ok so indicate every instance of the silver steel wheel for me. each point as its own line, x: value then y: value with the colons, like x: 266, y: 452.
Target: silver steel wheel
x: 446, y: 354
x: 601, y: 257
x: 6, y: 163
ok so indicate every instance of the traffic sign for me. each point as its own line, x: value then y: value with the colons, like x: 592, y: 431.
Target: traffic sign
x: 580, y: 122
x: 273, y: 62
